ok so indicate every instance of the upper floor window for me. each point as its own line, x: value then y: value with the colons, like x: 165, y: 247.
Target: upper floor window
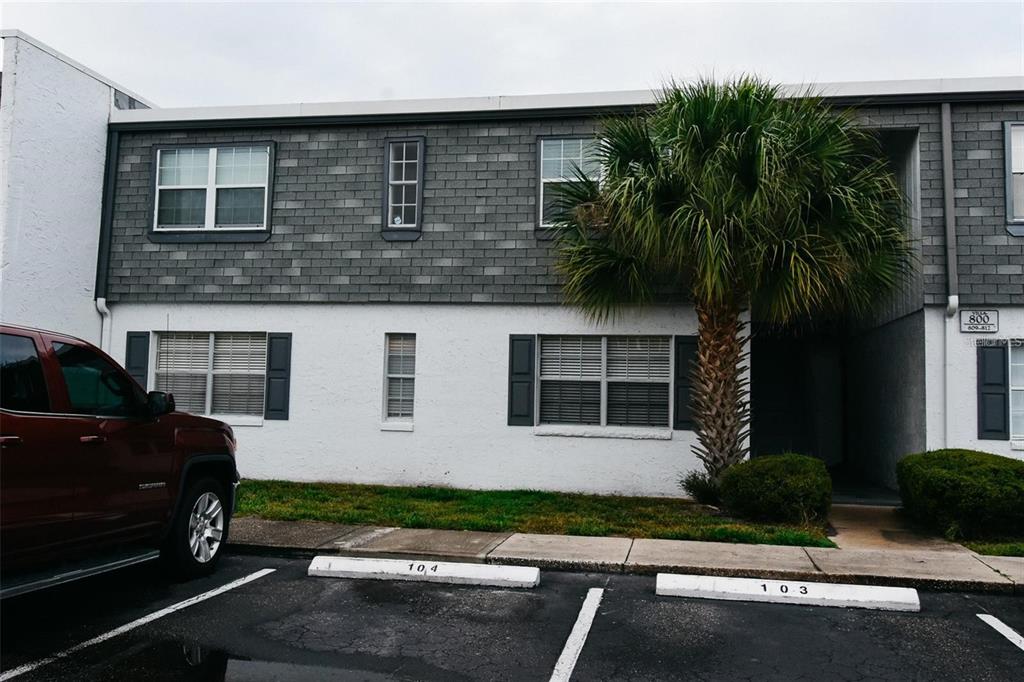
x: 212, y: 188
x: 1015, y: 177
x: 404, y: 195
x: 560, y: 161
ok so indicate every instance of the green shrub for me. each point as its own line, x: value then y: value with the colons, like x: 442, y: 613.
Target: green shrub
x: 964, y: 493
x: 702, y: 488
x: 788, y: 488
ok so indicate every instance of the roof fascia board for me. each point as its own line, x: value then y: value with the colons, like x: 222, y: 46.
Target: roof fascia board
x: 543, y: 106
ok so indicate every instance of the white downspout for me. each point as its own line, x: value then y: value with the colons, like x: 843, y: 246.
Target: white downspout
x: 951, y: 336
x: 951, y: 327
x: 104, y: 311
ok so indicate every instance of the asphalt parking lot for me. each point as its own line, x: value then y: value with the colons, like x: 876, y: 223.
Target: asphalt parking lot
x: 287, y: 626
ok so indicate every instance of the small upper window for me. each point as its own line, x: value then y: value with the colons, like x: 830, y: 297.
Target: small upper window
x: 223, y: 188
x: 22, y: 386
x: 1015, y: 173
x: 560, y: 162
x: 404, y: 198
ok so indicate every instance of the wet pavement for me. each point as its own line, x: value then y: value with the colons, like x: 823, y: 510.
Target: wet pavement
x: 287, y: 626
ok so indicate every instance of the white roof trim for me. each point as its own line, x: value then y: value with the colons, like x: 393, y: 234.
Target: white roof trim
x: 21, y: 35
x: 937, y: 87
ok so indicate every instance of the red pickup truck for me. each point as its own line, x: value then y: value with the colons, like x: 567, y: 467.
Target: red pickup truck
x: 96, y: 474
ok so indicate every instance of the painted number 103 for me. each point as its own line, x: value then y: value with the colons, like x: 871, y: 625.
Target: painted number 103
x: 784, y: 589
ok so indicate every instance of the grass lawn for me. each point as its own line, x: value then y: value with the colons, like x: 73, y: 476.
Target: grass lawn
x: 997, y: 547
x: 524, y: 511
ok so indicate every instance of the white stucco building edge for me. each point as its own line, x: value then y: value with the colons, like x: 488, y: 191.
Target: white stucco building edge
x: 21, y: 35
x: 53, y: 134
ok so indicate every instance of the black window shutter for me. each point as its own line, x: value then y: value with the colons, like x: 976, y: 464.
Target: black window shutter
x: 520, y: 379
x: 279, y: 369
x: 993, y: 393
x: 686, y: 356
x: 136, y: 357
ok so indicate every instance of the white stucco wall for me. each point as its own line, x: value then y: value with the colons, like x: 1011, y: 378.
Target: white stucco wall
x: 951, y: 376
x: 461, y: 437
x: 53, y: 134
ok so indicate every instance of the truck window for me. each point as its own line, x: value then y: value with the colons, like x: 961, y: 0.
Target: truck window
x: 22, y: 386
x: 95, y: 386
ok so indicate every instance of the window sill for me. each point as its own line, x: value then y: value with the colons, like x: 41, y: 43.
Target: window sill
x: 1017, y: 444
x: 401, y: 234
x: 216, y: 235
x: 396, y: 426
x: 545, y: 233
x: 1015, y: 229
x: 238, y: 419
x: 624, y: 432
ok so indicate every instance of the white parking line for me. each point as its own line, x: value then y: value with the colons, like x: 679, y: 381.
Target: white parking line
x: 28, y: 667
x: 1005, y: 630
x: 578, y: 636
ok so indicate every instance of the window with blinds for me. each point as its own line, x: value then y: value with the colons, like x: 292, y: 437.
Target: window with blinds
x: 613, y: 380
x: 221, y: 373
x: 571, y: 370
x: 399, y: 376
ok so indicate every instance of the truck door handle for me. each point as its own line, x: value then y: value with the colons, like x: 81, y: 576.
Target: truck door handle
x: 92, y: 440
x: 6, y: 441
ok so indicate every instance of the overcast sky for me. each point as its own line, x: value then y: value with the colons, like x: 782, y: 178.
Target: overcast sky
x: 259, y: 53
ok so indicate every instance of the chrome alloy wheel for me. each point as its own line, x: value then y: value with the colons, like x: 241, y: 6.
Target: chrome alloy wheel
x: 205, y: 527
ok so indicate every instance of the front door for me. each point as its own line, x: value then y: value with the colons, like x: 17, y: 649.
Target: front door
x: 38, y: 456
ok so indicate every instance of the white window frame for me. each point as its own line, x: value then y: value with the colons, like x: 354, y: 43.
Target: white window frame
x: 1014, y: 345
x: 542, y: 181
x: 211, y: 187
x: 418, y: 142
x: 1014, y: 157
x: 398, y: 423
x: 604, y: 380
x: 232, y: 419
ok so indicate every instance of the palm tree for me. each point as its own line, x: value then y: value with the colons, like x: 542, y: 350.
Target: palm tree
x: 741, y: 201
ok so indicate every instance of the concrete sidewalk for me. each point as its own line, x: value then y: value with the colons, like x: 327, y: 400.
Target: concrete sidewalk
x: 924, y: 568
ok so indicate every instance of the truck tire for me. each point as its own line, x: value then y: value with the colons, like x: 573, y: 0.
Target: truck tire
x: 199, y: 532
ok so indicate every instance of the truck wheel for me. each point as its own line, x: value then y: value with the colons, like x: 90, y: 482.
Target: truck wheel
x: 200, y: 530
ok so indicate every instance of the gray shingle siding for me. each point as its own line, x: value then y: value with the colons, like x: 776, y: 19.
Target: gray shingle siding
x: 928, y: 233
x: 991, y: 261
x: 478, y: 244
x: 479, y: 241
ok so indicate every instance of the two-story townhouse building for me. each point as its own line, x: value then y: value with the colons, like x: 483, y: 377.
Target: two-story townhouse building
x: 366, y: 292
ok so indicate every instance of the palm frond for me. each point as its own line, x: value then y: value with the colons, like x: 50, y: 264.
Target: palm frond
x: 739, y: 197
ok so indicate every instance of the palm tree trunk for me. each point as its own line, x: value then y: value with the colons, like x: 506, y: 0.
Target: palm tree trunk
x: 720, y: 396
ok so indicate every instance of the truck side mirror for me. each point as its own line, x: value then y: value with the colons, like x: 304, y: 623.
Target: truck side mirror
x: 160, y: 403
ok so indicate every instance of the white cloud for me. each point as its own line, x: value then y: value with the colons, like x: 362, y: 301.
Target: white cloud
x: 207, y: 54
